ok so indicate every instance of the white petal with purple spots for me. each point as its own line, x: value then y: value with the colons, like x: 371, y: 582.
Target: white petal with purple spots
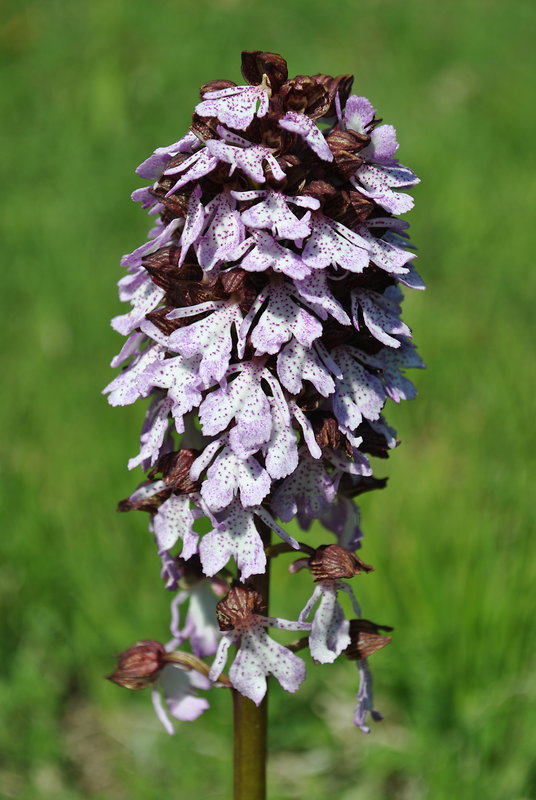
x: 225, y: 232
x: 259, y: 656
x: 307, y: 128
x: 314, y: 291
x: 378, y: 182
x: 230, y: 474
x: 243, y: 400
x: 129, y: 386
x: 274, y: 214
x: 296, y: 363
x: 236, y: 536
x: 153, y: 432
x: 280, y: 320
x: 380, y: 315
x: 358, y: 394
x: 269, y: 253
x: 235, y: 106
x: 249, y: 158
x: 330, y: 632
x: 333, y: 244
x: 307, y: 492
x: 211, y: 338
x: 173, y: 521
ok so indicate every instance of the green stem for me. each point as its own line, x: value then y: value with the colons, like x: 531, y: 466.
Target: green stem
x: 250, y: 721
x: 250, y: 724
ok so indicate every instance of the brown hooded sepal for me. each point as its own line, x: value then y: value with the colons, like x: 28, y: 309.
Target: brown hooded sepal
x: 238, y: 607
x: 175, y: 470
x: 256, y: 63
x: 139, y: 666
x: 345, y: 146
x: 331, y: 562
x: 304, y: 95
x: 366, y: 639
x: 341, y: 85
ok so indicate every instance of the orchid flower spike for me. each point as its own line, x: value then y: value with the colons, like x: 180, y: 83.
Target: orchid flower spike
x: 264, y: 330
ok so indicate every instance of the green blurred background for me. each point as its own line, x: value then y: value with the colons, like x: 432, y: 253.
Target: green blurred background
x: 88, y: 90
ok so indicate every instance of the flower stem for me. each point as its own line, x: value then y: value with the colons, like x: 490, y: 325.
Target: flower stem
x: 250, y: 722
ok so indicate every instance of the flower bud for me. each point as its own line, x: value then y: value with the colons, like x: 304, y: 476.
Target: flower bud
x: 140, y: 665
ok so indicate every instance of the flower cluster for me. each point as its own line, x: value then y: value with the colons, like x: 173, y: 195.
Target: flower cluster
x: 265, y: 329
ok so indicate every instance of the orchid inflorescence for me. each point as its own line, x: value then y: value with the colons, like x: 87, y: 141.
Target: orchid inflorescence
x: 265, y: 329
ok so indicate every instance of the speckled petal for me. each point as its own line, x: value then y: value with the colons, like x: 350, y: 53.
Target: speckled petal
x: 193, y: 224
x: 180, y: 377
x: 269, y: 253
x: 210, y: 337
x: 194, y: 168
x: 128, y: 386
x: 305, y: 127
x: 235, y: 537
x: 145, y: 299
x: 296, y: 363
x: 260, y: 656
x: 281, y: 451
x: 153, y: 432
x: 386, y: 252
x: 380, y: 315
x: 230, y: 474
x: 235, y: 106
x: 314, y: 291
x: 377, y: 182
x: 274, y: 214
x: 282, y: 319
x: 329, y: 634
x: 333, y: 244
x: 248, y: 159
x: 306, y: 493
x: 383, y: 145
x: 358, y: 113
x: 243, y: 400
x: 359, y: 394
x: 224, y: 233
x: 173, y: 521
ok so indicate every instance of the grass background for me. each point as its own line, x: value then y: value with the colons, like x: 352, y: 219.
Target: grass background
x: 87, y: 91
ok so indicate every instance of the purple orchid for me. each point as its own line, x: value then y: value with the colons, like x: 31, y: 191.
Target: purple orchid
x: 265, y: 331
x: 242, y: 621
